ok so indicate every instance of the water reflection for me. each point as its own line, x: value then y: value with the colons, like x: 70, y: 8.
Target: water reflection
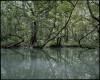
x: 50, y: 63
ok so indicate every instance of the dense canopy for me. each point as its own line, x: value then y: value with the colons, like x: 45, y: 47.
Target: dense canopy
x: 50, y: 23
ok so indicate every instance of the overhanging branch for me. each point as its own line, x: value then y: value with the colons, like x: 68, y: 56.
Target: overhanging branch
x: 92, y: 15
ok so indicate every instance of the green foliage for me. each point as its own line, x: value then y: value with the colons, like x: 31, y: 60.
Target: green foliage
x: 51, y: 17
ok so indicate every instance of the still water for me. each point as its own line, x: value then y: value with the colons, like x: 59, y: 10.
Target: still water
x: 50, y: 63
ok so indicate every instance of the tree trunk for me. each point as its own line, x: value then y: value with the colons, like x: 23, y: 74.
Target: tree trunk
x: 33, y: 40
x: 58, y: 41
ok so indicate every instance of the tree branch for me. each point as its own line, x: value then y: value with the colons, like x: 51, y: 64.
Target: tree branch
x: 61, y: 28
x: 87, y: 35
x: 22, y: 40
x: 92, y: 15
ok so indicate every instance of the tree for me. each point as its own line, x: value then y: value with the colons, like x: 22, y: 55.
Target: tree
x: 49, y: 23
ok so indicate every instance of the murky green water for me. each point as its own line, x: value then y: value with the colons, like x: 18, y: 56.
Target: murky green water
x: 55, y: 63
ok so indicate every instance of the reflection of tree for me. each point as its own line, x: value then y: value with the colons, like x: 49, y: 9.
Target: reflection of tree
x: 57, y: 61
x: 16, y: 52
x: 49, y: 63
x: 10, y: 64
x: 70, y: 62
x: 86, y: 63
x: 34, y: 64
x: 48, y: 58
x: 58, y: 54
x: 23, y: 67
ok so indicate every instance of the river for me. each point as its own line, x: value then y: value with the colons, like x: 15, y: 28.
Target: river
x: 50, y: 63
